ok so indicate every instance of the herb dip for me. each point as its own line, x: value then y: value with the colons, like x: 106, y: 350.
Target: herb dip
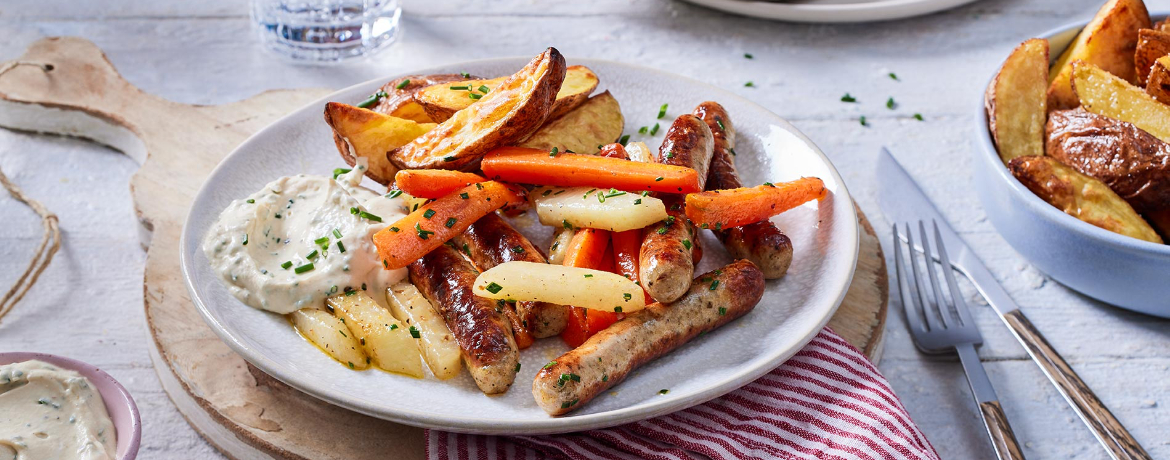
x: 47, y: 412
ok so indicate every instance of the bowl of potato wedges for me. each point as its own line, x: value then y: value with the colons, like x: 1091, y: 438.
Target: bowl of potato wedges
x: 1073, y: 164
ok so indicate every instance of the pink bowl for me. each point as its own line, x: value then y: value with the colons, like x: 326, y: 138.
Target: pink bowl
x: 119, y: 404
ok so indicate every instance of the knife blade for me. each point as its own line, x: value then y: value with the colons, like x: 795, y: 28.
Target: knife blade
x: 903, y: 201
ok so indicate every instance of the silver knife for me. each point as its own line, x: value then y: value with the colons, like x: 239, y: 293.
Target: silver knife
x: 902, y: 201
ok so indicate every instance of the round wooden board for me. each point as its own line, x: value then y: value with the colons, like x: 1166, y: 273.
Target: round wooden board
x: 242, y: 411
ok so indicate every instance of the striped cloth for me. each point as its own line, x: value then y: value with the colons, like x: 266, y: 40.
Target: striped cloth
x: 827, y: 402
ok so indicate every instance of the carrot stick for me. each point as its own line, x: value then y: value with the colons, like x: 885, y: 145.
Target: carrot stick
x: 433, y: 183
x: 741, y: 206
x: 533, y: 166
x: 589, y: 248
x: 434, y: 223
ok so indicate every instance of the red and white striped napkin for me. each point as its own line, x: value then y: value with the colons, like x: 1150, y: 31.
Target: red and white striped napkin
x: 827, y: 402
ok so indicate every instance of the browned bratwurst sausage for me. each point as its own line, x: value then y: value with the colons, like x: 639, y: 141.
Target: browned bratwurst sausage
x: 609, y: 356
x: 445, y: 278
x: 665, y: 262
x: 491, y: 241
x: 760, y: 242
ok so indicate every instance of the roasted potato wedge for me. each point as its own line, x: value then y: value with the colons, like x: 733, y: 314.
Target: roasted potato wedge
x: 1108, y: 41
x: 1104, y: 94
x: 1158, y: 85
x: 331, y: 335
x: 443, y: 100
x: 358, y: 132
x: 1016, y: 101
x: 598, y: 121
x: 1152, y: 45
x: 399, y: 101
x: 1080, y: 196
x: 1133, y: 163
x: 510, y: 112
x: 388, y: 343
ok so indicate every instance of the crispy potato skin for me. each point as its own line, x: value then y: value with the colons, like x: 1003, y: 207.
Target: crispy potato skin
x: 491, y: 241
x: 445, y: 278
x: 399, y: 102
x: 1108, y: 41
x: 512, y: 111
x: 760, y: 242
x: 1016, y: 102
x: 612, y: 354
x: 1130, y: 161
x: 359, y: 132
x: 1152, y: 44
x: 598, y: 121
x: 440, y: 102
x: 1158, y: 85
x: 1080, y: 196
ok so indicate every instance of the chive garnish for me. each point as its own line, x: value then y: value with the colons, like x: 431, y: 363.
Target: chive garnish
x: 893, y: 76
x: 312, y: 255
x: 429, y: 213
x: 863, y: 122
x: 658, y: 179
x: 518, y: 249
x: 517, y: 369
x: 466, y: 249
x: 749, y: 84
x: 403, y: 84
x: 669, y: 155
x: 465, y: 74
x: 769, y: 184
x: 714, y: 284
x: 373, y: 99
x: 478, y: 186
x: 245, y: 239
x: 654, y: 130
x: 662, y: 230
x: 722, y: 311
x: 720, y: 123
x: 627, y: 296
x: 662, y: 110
x: 286, y: 265
x: 550, y: 364
x: 460, y: 88
x: 393, y: 327
x: 484, y: 89
x: 588, y: 193
x: 414, y: 332
x: 303, y: 268
x: 336, y: 233
x: 340, y: 247
x: 566, y: 223
x: 638, y: 201
x: 449, y: 158
x: 450, y: 222
x: 321, y: 240
x: 394, y: 229
x: 663, y: 391
x: 474, y: 96
x: 339, y: 171
x: 394, y: 194
x: 617, y: 309
x: 848, y: 98
x: 687, y: 243
x: 643, y: 130
x: 250, y: 201
x: 624, y: 140
x: 918, y: 116
x: 369, y: 216
x: 731, y: 150
x: 494, y: 288
x: 424, y: 234
x: 464, y: 195
x: 553, y: 152
x: 890, y: 103
x: 747, y: 55
x: 604, y: 377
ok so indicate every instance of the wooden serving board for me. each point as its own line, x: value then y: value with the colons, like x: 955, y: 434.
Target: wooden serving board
x: 242, y: 411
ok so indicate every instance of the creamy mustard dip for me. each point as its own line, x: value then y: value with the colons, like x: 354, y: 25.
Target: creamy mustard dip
x: 47, y: 412
x: 301, y: 239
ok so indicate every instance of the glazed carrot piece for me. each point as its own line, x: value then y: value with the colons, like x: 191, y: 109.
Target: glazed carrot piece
x: 588, y: 248
x: 434, y: 223
x: 742, y: 206
x: 433, y: 183
x: 614, y: 150
x: 534, y: 166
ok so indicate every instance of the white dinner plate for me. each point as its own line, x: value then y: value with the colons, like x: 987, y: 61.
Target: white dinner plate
x: 832, y: 10
x: 792, y: 311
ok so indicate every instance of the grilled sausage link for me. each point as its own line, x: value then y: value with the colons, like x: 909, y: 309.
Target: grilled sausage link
x: 608, y: 357
x: 491, y: 241
x: 760, y: 242
x: 666, y: 264
x: 445, y: 278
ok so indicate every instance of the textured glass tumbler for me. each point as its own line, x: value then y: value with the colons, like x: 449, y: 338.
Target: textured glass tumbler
x: 325, y: 31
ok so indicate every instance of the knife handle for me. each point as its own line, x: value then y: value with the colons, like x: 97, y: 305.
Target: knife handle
x: 1116, y: 439
x: 1002, y: 437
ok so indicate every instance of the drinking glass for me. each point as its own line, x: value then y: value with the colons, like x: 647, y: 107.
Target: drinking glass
x: 325, y: 30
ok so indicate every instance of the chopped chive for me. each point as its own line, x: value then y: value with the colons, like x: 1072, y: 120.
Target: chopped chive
x: 336, y: 233
x: 464, y: 195
x: 893, y: 76
x: 848, y: 98
x: 312, y: 255
x: 414, y: 332
x: 687, y: 243
x: 429, y: 213
x: 769, y: 184
x: 566, y: 223
x: 340, y: 247
x: 373, y: 99
x: 654, y: 130
x: 465, y: 74
x: 517, y: 369
x: 663, y: 391
x: 662, y: 110
x: 638, y: 201
x: 624, y: 140
x: 550, y: 365
x: 617, y: 309
x: 658, y: 179
x: 546, y: 192
x: 341, y: 331
x: 627, y: 296
x: 643, y: 130
x: 720, y: 123
x: 369, y: 216
x: 484, y: 89
x: 353, y: 210
x: 662, y: 230
x: 286, y: 265
x: 460, y: 88
x: 394, y: 194
x: 918, y: 116
x: 450, y: 222
x: 566, y: 405
x: 863, y: 122
x: 722, y: 311
x: 393, y: 327
x: 474, y: 96
x: 614, y: 192
x: 303, y: 268
x: 245, y: 239
x: 321, y: 240
x: 466, y: 249
x: 604, y: 377
x: 731, y: 151
x: 339, y: 171
x: 645, y: 193
x: 748, y: 56
x: 494, y: 288
x: 669, y: 155
x: 518, y: 249
x: 588, y: 193
x: 749, y: 84
x: 478, y: 186
x: 403, y: 84
x: 424, y: 234
x: 553, y: 152
x: 449, y: 158
x: 890, y: 103
x: 588, y: 275
x: 714, y: 284
x: 250, y: 201
x: 394, y: 229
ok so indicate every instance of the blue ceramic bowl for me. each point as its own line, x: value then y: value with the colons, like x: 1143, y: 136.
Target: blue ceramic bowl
x: 1112, y: 268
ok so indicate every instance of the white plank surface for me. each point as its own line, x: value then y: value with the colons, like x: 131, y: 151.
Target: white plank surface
x: 88, y: 304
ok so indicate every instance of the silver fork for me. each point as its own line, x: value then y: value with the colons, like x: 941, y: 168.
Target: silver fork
x: 938, y: 327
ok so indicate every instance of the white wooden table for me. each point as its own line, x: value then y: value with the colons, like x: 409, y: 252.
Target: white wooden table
x: 88, y: 304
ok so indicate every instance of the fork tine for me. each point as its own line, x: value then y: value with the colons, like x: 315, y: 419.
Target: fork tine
x: 920, y: 286
x: 943, y: 309
x: 909, y: 305
x: 956, y: 295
